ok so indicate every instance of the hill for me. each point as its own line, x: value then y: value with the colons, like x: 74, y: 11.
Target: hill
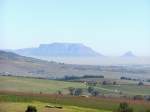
x: 14, y: 64
x: 59, y: 50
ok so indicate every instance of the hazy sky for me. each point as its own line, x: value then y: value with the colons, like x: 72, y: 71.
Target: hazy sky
x: 110, y: 27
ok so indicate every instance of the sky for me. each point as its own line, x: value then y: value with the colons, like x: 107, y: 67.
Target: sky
x: 111, y: 27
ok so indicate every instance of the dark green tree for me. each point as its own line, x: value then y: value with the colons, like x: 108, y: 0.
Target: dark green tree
x: 78, y: 92
x: 90, y: 89
x: 95, y: 93
x: 31, y: 109
x: 124, y: 107
x: 71, y: 90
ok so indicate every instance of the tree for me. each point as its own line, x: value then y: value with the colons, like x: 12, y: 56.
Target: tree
x: 95, y: 93
x: 78, y: 92
x: 71, y: 90
x: 59, y: 92
x: 90, y: 89
x: 138, y: 97
x: 124, y: 107
x: 104, y: 82
x: 31, y: 109
x: 114, y: 83
x: 140, y: 83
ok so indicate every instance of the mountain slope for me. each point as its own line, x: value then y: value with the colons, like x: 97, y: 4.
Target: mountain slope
x: 13, y: 64
x: 59, y: 50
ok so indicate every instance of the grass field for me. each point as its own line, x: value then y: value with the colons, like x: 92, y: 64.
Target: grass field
x: 23, y: 84
x: 128, y: 89
x: 18, y: 92
x: 21, y: 107
x: 96, y: 103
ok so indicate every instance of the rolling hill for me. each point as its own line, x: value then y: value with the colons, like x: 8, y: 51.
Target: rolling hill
x: 14, y: 64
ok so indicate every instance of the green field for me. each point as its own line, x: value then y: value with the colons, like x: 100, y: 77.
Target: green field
x: 19, y: 102
x: 23, y: 84
x: 128, y: 89
x: 18, y: 92
x: 13, y: 107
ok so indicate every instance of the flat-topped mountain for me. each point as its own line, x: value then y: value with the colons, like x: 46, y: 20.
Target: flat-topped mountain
x: 59, y: 50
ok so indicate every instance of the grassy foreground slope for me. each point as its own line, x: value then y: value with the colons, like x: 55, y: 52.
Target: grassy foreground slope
x: 97, y: 103
x: 21, y: 107
x: 28, y: 93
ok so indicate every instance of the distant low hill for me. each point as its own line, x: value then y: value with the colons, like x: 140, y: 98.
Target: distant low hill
x: 14, y: 64
x: 59, y: 50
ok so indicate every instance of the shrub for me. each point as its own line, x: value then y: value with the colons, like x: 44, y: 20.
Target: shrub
x: 140, y: 83
x: 104, y: 82
x: 31, y: 109
x: 78, y: 92
x: 90, y: 89
x: 148, y: 110
x: 114, y: 83
x: 71, y: 90
x: 138, y: 97
x: 124, y: 107
x: 95, y: 93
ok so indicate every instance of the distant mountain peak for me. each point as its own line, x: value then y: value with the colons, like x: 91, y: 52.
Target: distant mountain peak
x: 128, y: 54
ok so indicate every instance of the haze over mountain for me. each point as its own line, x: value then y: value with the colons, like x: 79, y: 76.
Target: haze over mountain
x: 76, y: 53
x: 13, y: 64
x: 59, y: 50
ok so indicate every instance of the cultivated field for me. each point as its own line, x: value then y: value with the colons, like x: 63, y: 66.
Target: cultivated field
x: 23, y: 84
x: 69, y: 103
x: 13, y: 107
x: 34, y: 85
x: 16, y: 93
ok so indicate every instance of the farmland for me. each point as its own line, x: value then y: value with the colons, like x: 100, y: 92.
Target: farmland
x: 13, y: 107
x: 25, y: 91
x: 23, y: 84
x: 69, y: 103
x: 35, y: 85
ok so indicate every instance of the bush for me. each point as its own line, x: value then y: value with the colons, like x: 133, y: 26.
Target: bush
x: 140, y: 83
x: 71, y: 90
x: 31, y: 109
x: 78, y: 92
x: 95, y: 93
x: 123, y: 107
x: 90, y: 89
x: 114, y: 83
x: 104, y: 82
x: 148, y: 110
x: 138, y: 97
